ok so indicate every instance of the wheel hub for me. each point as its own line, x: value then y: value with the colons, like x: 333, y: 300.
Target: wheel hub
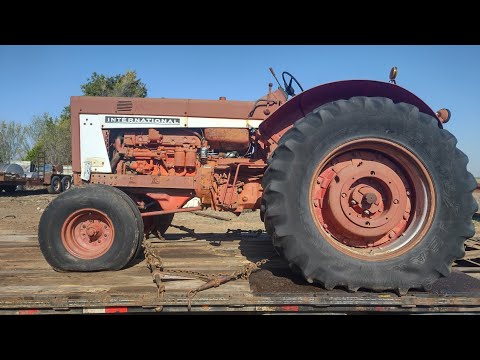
x: 87, y: 233
x: 362, y: 199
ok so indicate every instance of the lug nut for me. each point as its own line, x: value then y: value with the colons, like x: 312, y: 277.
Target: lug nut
x: 395, y: 201
x: 353, y: 202
x: 344, y: 195
x: 391, y: 234
x: 366, y: 212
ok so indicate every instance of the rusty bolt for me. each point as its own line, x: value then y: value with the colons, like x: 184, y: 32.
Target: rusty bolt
x: 353, y: 202
x: 366, y: 212
x: 104, y: 235
x: 344, y: 195
x: 391, y: 234
x: 405, y: 216
x: 408, y: 193
x: 245, y: 198
x: 395, y: 201
x: 315, y: 203
x: 319, y: 180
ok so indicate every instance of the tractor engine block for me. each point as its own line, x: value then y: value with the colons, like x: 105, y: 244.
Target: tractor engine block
x: 155, y: 153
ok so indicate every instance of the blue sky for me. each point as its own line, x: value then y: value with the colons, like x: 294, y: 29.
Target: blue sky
x: 37, y: 79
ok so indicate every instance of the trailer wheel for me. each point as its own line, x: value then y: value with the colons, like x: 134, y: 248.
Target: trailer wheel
x: 66, y: 183
x: 55, y: 186
x: 365, y: 193
x: 89, y: 228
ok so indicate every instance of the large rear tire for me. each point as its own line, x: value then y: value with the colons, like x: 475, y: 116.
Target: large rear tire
x: 90, y: 228
x: 365, y: 193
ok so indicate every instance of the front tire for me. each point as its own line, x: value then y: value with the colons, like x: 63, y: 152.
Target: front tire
x: 365, y: 193
x: 90, y: 228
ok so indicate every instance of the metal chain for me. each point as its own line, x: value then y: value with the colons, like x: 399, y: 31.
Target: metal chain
x: 155, y: 265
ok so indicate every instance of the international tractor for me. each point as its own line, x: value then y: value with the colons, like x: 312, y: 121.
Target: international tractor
x: 357, y: 182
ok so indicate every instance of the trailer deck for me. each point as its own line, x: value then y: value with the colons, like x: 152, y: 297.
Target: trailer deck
x: 29, y: 286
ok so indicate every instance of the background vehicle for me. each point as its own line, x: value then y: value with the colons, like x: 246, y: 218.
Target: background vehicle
x: 25, y: 173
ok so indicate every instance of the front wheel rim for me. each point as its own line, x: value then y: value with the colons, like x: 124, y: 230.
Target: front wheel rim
x: 88, y: 234
x: 372, y: 199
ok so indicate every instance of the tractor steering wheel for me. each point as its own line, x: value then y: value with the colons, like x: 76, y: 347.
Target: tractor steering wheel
x: 288, y: 87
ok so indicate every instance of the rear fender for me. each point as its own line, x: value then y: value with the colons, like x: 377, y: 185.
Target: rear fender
x: 296, y: 108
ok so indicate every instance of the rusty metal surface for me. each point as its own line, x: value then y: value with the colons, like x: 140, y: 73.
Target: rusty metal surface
x: 228, y: 139
x: 145, y: 181
x: 164, y: 212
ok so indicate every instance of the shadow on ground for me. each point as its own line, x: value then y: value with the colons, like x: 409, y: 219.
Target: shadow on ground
x: 21, y: 193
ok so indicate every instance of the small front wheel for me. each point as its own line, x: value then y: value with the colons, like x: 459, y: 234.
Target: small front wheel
x: 89, y: 228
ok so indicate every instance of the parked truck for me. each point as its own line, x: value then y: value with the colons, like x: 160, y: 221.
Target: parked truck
x: 17, y: 175
x: 358, y: 183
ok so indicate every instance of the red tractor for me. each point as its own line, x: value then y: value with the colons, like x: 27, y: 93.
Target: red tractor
x: 357, y: 182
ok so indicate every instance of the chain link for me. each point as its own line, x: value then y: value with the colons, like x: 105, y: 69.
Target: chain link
x: 155, y: 265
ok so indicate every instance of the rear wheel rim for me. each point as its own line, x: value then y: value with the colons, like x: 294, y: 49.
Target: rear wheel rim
x: 88, y: 233
x: 372, y: 199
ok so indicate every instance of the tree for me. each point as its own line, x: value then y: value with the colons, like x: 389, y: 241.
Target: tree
x: 51, y: 136
x: 12, y: 141
x: 119, y: 85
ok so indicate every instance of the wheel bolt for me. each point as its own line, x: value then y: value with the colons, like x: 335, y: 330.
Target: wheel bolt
x: 353, y: 202
x: 366, y: 212
x: 395, y: 201
x: 408, y: 193
x: 344, y: 195
x: 391, y: 234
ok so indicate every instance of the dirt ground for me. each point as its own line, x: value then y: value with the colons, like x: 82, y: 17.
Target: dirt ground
x: 21, y: 212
